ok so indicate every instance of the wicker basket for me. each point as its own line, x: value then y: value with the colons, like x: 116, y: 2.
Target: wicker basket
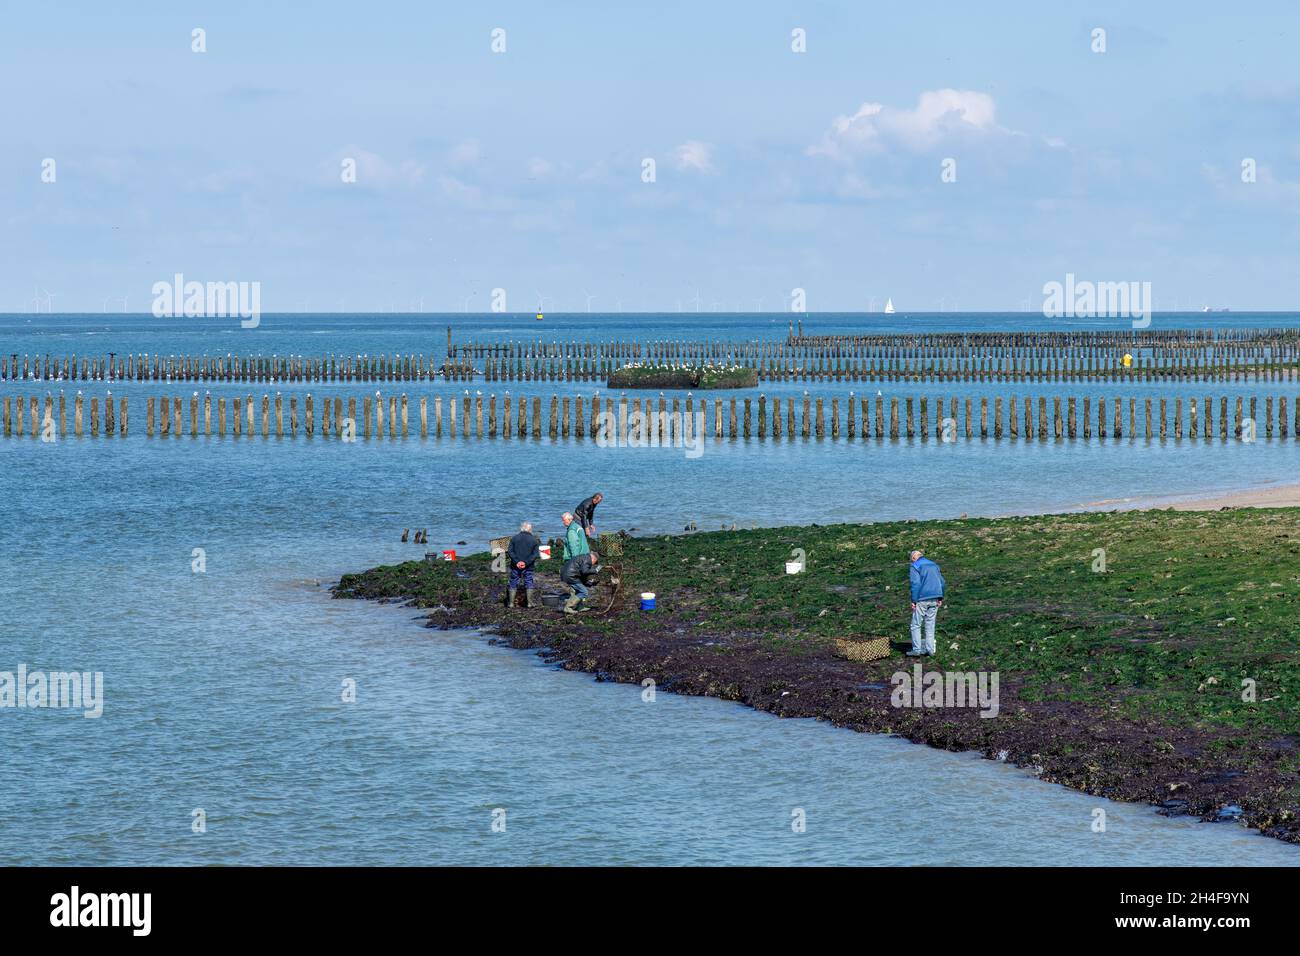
x: 872, y: 649
x: 609, y: 545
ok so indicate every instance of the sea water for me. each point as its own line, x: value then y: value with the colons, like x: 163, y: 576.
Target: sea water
x: 194, y: 574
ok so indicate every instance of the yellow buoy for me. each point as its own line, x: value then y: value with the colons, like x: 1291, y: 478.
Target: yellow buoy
x: 1128, y: 360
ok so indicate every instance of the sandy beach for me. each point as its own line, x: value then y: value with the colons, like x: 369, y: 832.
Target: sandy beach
x: 1266, y: 496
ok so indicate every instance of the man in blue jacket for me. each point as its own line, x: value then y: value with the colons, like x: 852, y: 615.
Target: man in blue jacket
x: 927, y: 595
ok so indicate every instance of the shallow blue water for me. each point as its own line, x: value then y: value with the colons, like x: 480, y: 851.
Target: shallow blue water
x: 223, y: 688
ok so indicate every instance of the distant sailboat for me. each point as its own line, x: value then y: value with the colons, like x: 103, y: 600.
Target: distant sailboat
x: 889, y: 307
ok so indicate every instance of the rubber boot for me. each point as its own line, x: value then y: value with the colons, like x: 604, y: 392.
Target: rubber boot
x: 530, y: 598
x: 511, y: 594
x: 571, y: 605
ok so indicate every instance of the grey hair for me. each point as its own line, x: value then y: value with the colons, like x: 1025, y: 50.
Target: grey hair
x: 526, y: 526
x: 917, y: 553
x: 567, y: 514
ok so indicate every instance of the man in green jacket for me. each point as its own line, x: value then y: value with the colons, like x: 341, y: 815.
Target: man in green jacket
x: 578, y: 561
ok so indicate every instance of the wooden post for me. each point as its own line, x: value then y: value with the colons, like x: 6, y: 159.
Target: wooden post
x: 893, y: 418
x: 77, y: 415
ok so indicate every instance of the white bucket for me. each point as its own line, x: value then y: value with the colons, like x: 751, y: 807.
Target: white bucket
x: 793, y: 567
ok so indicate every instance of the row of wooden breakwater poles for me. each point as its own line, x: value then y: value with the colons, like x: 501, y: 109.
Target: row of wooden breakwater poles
x: 641, y: 422
x: 1243, y: 355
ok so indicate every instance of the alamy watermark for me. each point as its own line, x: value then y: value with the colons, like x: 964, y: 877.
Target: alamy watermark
x: 70, y: 690
x: 1086, y: 299
x: 653, y: 429
x: 208, y: 300
x: 946, y: 689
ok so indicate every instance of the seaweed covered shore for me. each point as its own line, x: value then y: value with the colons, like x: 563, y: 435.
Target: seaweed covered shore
x: 1149, y: 656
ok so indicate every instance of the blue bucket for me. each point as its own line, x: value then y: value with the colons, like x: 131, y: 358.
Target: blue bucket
x: 647, y: 600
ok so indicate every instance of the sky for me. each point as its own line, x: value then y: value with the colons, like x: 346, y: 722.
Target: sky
x: 948, y: 156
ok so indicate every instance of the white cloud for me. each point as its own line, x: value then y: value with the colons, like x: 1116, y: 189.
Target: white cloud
x: 694, y: 155
x: 465, y: 153
x: 938, y: 116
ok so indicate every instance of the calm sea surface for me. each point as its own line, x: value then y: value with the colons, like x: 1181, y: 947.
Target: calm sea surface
x: 223, y: 688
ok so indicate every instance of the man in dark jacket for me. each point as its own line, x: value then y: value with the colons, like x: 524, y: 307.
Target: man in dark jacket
x: 927, y: 595
x: 522, y: 552
x: 586, y: 514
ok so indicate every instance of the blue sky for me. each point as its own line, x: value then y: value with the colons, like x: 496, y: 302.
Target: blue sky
x: 774, y: 170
